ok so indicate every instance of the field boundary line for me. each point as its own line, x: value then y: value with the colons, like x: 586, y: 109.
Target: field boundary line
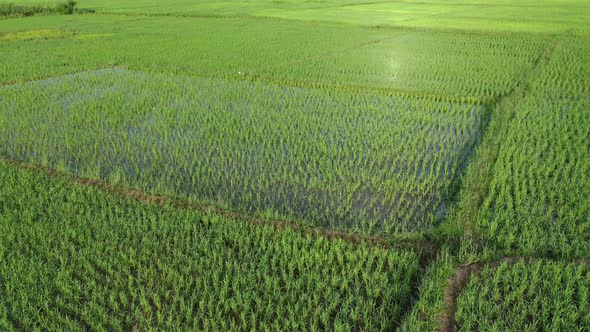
x: 479, y: 178
x: 429, y: 249
x: 386, y: 26
x: 52, y: 76
x: 473, y: 100
x: 332, y: 53
x: 482, y: 168
x: 392, y: 92
x: 464, y: 273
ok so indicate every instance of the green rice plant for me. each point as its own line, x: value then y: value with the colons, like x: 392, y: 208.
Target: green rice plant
x: 346, y: 114
x: 294, y: 54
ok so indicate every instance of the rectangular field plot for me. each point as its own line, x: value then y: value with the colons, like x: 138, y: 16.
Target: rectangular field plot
x: 533, y: 296
x: 547, y: 16
x: 75, y: 258
x: 359, y: 161
x: 542, y: 175
x: 464, y: 66
x: 210, y: 47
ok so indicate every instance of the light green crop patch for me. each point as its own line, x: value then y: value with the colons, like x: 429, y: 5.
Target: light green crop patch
x: 92, y: 35
x: 50, y: 34
x: 37, y: 34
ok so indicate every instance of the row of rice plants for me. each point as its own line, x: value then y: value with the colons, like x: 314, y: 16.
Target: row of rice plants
x: 567, y: 75
x: 75, y: 258
x: 541, y: 295
x: 360, y: 161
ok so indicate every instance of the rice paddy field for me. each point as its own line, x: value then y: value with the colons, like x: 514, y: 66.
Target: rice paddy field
x: 336, y: 165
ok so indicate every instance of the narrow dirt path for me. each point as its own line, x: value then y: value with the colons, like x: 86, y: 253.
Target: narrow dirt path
x: 455, y: 287
x: 480, y: 180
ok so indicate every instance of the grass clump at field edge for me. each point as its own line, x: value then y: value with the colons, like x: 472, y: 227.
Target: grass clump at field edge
x: 13, y: 9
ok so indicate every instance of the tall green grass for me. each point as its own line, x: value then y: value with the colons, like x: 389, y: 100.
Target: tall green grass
x: 14, y: 9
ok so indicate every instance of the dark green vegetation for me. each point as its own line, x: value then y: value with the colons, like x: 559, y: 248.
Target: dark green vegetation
x: 11, y: 9
x: 420, y: 144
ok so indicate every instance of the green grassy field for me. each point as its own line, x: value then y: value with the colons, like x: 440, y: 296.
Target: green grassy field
x: 286, y: 165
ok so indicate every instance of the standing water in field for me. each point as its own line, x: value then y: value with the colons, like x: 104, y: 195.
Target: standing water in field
x: 364, y: 161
